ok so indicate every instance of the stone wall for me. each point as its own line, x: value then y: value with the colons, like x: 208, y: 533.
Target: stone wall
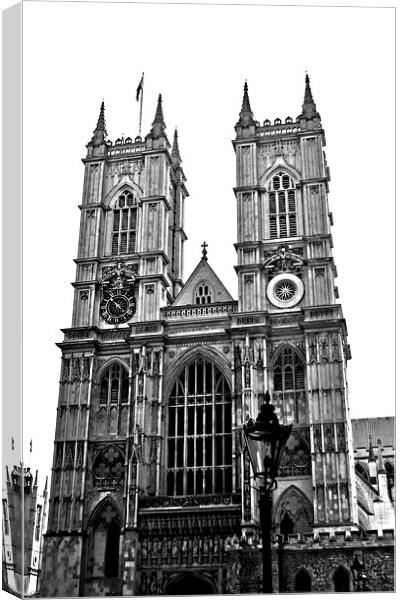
x: 320, y: 555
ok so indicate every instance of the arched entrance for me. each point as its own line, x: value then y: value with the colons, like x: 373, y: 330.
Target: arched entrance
x: 303, y: 582
x: 341, y: 580
x: 189, y: 584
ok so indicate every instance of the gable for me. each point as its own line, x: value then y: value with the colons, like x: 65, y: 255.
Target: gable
x: 203, y: 287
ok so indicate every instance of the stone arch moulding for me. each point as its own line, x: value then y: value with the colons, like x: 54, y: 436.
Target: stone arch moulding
x: 120, y: 187
x: 176, y: 580
x: 200, y: 351
x: 96, y: 512
x: 282, y: 347
x: 298, y: 507
x: 302, y: 580
x: 338, y: 572
x: 280, y: 165
x: 97, y: 376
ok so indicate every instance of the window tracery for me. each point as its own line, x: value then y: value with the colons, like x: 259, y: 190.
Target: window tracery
x: 289, y: 386
x: 104, y: 542
x: 296, y: 458
x: 199, y: 432
x: 282, y: 206
x: 124, y: 224
x: 294, y: 512
x: 203, y: 294
x: 108, y: 468
x: 114, y: 385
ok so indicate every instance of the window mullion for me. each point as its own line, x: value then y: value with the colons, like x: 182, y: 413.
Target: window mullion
x: 128, y: 229
x: 120, y: 231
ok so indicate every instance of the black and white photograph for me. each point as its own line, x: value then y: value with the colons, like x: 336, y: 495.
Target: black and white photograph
x: 198, y: 299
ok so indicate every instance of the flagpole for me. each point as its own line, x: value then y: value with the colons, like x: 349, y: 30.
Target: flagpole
x: 140, y: 107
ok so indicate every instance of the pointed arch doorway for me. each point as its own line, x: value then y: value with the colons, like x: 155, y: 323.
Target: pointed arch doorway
x: 189, y: 584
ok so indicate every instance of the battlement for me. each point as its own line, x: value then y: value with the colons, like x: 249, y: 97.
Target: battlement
x: 278, y: 127
x: 344, y: 539
x: 125, y: 146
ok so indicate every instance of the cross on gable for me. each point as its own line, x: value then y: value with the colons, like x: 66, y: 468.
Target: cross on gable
x: 204, y: 251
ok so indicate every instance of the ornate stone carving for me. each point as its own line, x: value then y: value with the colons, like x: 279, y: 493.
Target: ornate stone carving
x: 317, y: 436
x: 108, y: 468
x: 341, y: 437
x: 329, y: 438
x: 296, y: 457
x: 283, y: 260
x: 119, y: 276
x: 297, y: 507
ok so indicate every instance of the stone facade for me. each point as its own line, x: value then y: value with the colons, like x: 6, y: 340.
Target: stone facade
x: 152, y: 490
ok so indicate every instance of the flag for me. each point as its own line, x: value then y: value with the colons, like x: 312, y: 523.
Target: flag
x: 139, y: 89
x: 30, y: 446
x: 12, y: 443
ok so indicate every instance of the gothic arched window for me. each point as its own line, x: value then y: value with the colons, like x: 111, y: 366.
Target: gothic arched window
x: 124, y: 224
x: 203, y: 294
x: 289, y: 386
x: 282, y: 206
x: 113, y: 402
x: 199, y: 432
x: 104, y: 544
x: 114, y: 385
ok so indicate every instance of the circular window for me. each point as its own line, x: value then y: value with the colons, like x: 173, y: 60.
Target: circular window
x: 285, y: 290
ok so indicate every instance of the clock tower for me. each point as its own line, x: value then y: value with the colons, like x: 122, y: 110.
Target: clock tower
x: 129, y: 266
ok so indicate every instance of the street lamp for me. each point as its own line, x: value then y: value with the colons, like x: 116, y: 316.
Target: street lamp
x: 265, y: 440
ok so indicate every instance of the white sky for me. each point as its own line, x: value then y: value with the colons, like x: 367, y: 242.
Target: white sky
x: 198, y: 57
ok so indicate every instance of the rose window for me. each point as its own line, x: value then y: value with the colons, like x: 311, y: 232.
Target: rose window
x: 285, y: 290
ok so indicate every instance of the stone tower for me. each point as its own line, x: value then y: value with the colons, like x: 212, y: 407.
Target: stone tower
x: 151, y: 489
x: 129, y: 267
x: 286, y: 289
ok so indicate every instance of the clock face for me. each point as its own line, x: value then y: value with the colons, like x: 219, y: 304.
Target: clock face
x: 117, y: 306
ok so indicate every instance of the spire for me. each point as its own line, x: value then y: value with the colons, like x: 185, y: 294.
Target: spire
x: 158, y: 125
x: 100, y: 133
x: 371, y: 457
x: 175, y: 153
x: 246, y: 114
x: 246, y: 106
x: 308, y: 92
x: 309, y: 106
x: 159, y: 112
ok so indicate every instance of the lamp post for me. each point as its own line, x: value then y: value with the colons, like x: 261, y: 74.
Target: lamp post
x: 265, y: 440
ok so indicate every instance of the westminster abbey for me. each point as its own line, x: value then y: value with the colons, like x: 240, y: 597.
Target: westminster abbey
x: 152, y: 490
